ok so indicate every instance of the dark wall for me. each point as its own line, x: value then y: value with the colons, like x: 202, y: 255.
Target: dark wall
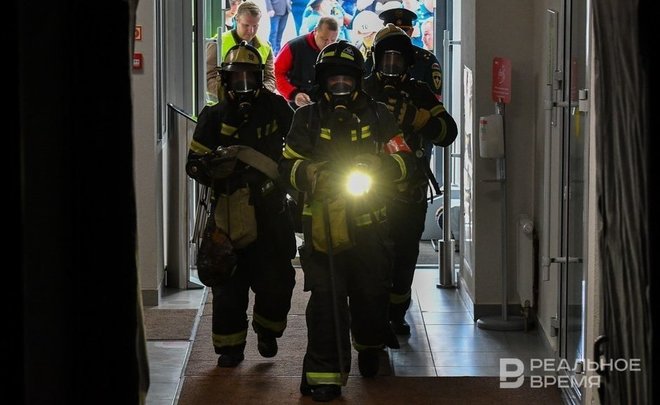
x: 625, y: 165
x: 78, y: 280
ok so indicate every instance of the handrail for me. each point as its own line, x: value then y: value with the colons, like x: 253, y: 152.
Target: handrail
x: 183, y: 113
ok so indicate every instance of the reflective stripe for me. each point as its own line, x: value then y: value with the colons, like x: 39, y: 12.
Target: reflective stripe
x: 273, y: 127
x: 307, y: 210
x: 227, y: 130
x: 323, y: 378
x: 443, y: 132
x: 354, y: 135
x: 325, y: 134
x: 268, y: 324
x: 359, y: 347
x: 402, y: 166
x: 291, y: 154
x: 198, y: 147
x: 366, y: 132
x: 438, y: 109
x: 292, y: 177
x: 399, y: 298
x: 229, y: 340
x: 365, y: 219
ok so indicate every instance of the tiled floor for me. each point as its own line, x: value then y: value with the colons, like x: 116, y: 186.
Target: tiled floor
x: 444, y: 340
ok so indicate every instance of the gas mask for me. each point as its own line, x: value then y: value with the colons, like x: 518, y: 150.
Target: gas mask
x: 392, y: 68
x: 243, y: 90
x: 340, y: 89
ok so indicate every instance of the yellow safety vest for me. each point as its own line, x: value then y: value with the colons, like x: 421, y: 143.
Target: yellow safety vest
x: 228, y: 41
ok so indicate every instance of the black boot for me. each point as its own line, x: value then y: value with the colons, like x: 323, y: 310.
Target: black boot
x: 230, y: 359
x: 325, y: 393
x: 267, y: 345
x: 368, y: 362
x: 305, y: 388
x: 400, y: 326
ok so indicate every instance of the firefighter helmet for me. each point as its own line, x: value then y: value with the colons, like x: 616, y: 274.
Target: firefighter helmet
x: 339, y: 58
x: 242, y: 69
x: 339, y: 70
x: 392, y: 49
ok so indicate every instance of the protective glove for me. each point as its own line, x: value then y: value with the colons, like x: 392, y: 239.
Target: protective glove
x: 313, y: 169
x: 404, y: 111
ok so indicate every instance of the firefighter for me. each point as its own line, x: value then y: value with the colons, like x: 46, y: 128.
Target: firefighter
x: 424, y: 123
x: 344, y: 255
x: 250, y: 202
x: 425, y: 66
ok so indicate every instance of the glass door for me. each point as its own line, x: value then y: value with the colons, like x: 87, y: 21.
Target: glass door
x: 575, y: 135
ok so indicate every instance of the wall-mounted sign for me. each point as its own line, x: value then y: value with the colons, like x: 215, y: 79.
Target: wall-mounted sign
x: 501, y: 80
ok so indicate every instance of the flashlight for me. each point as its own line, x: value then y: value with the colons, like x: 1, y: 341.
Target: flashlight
x: 358, y: 183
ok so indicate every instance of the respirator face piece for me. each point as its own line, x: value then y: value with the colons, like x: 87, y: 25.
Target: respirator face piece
x: 340, y: 85
x: 392, y: 63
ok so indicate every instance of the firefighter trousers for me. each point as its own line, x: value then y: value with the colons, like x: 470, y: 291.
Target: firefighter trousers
x: 362, y: 282
x: 271, y: 276
x: 406, y: 219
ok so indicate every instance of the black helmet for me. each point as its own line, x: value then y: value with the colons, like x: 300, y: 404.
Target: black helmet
x: 339, y: 60
x: 245, y: 60
x: 392, y: 48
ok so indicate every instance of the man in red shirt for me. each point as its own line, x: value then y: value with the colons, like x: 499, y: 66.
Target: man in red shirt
x: 294, y: 65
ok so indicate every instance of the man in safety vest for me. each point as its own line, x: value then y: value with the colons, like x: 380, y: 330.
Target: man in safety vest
x: 247, y: 19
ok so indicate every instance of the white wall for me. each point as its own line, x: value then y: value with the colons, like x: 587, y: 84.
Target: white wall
x: 148, y: 172
x: 500, y: 28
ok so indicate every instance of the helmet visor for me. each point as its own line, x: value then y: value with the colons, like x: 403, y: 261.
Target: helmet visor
x: 340, y: 85
x: 242, y: 82
x: 392, y: 63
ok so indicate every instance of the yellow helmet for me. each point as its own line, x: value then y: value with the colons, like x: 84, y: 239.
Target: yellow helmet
x: 245, y: 60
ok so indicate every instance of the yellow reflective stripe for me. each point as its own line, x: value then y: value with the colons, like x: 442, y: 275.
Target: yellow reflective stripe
x: 268, y: 324
x: 198, y: 147
x: 307, y: 210
x: 365, y: 219
x: 292, y: 177
x: 289, y: 153
x: 399, y: 298
x: 325, y: 133
x: 347, y: 56
x: 438, y: 109
x: 227, y: 129
x: 360, y: 347
x: 273, y: 128
x: 259, y: 133
x: 365, y: 132
x: 354, y: 135
x: 362, y: 220
x: 229, y: 340
x: 402, y: 166
x: 443, y: 132
x: 323, y: 378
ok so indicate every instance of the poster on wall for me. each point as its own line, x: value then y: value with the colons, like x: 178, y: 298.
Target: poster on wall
x: 467, y: 200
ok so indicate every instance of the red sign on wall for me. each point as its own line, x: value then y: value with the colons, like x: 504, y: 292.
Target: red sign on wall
x: 501, y: 80
x: 138, y: 61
